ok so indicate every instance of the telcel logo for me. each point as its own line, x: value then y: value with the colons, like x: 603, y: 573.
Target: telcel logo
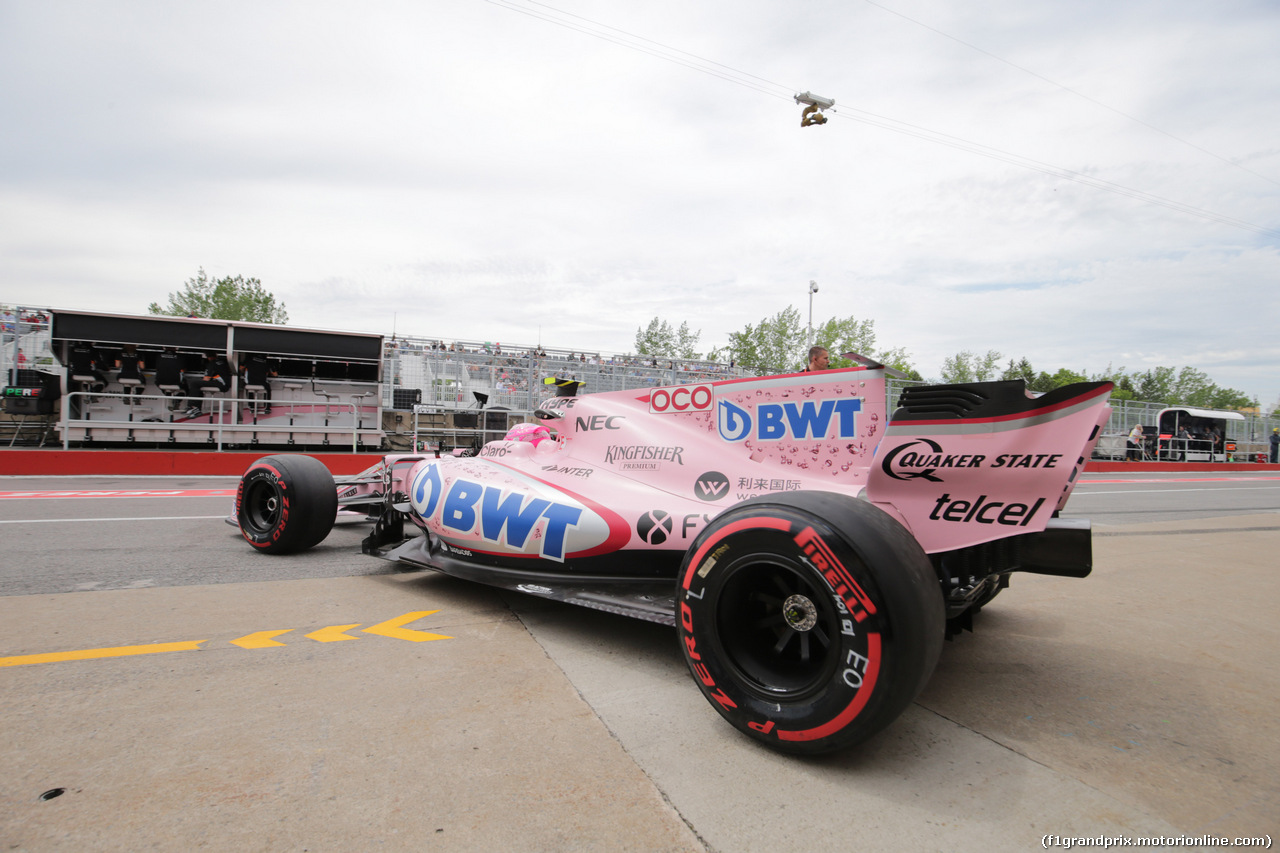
x: 796, y: 420
x: 502, y: 517
x: 685, y: 398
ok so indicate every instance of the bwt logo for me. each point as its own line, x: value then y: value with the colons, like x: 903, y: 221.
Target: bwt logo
x: 684, y: 398
x: 796, y: 420
x: 498, y: 516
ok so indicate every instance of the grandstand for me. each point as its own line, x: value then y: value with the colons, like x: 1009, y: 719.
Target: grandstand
x: 431, y: 377
x: 512, y: 377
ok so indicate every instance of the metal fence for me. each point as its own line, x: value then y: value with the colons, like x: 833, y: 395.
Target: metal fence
x: 428, y: 371
x: 1250, y: 434
x: 25, y: 343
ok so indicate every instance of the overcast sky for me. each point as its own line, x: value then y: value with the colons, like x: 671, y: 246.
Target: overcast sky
x: 463, y: 169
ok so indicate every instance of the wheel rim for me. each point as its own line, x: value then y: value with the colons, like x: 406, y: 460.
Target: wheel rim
x: 262, y: 507
x: 778, y: 628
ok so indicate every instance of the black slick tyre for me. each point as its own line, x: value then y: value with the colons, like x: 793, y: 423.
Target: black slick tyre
x: 286, y: 503
x: 810, y: 621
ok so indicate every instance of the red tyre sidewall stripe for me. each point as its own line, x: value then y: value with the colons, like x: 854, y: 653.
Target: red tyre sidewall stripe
x: 745, y: 524
x: 854, y: 708
x: 240, y: 498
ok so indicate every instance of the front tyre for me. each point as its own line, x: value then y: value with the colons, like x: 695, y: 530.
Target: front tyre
x: 810, y: 621
x: 286, y: 503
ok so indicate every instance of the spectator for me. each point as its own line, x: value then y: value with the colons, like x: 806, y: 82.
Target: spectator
x: 819, y: 359
x: 1136, y: 439
x: 1275, y: 444
x: 217, y: 374
x: 256, y: 368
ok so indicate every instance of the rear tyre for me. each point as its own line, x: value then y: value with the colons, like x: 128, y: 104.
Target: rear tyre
x: 286, y: 503
x: 810, y: 621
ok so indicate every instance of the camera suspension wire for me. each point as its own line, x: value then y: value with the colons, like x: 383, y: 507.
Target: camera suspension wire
x: 960, y: 144
x: 653, y: 48
x: 1071, y: 91
x: 615, y: 35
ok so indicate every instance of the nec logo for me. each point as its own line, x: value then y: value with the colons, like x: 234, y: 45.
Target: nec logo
x: 685, y: 398
x: 810, y: 419
x: 597, y: 422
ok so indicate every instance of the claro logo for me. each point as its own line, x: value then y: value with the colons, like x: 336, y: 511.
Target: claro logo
x: 685, y: 398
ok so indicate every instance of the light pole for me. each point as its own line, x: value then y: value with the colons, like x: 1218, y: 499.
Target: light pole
x: 813, y: 288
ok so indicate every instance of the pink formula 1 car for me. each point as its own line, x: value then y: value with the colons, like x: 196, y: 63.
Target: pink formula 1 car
x: 811, y: 549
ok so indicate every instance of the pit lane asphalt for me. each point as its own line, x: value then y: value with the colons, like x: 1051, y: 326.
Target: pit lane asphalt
x: 1138, y: 701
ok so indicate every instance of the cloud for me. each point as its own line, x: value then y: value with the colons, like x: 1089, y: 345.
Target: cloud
x: 469, y: 171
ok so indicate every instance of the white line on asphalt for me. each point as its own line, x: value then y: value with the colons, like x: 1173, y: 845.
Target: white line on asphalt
x: 1079, y: 492
x: 134, y: 518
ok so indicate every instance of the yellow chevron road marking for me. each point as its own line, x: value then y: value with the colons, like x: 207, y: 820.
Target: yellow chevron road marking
x: 333, y: 633
x: 391, y: 628
x: 259, y: 640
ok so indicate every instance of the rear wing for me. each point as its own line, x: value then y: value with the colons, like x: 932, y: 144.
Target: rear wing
x: 966, y: 464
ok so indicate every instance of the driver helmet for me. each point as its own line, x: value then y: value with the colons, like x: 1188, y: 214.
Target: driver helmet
x: 529, y: 432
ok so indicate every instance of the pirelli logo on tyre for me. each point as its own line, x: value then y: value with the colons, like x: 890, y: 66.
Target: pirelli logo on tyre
x: 683, y: 398
x: 858, y: 603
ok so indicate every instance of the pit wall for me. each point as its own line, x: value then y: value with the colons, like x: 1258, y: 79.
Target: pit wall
x: 153, y: 463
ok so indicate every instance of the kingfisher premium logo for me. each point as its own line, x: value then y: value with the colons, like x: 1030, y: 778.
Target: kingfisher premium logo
x: 642, y: 457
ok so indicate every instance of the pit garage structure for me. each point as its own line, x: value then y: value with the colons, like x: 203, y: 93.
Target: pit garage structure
x: 132, y: 379
x: 1207, y: 431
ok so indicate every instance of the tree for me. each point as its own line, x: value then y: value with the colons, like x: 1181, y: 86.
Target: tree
x: 1063, y: 377
x: 777, y: 344
x: 1124, y: 387
x: 1193, y: 388
x: 226, y: 298
x: 1021, y: 369
x: 1170, y: 387
x: 686, y: 341
x: 845, y: 335
x: 659, y: 339
x: 1230, y: 398
x: 966, y: 366
x: 1165, y: 385
x: 1155, y: 385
